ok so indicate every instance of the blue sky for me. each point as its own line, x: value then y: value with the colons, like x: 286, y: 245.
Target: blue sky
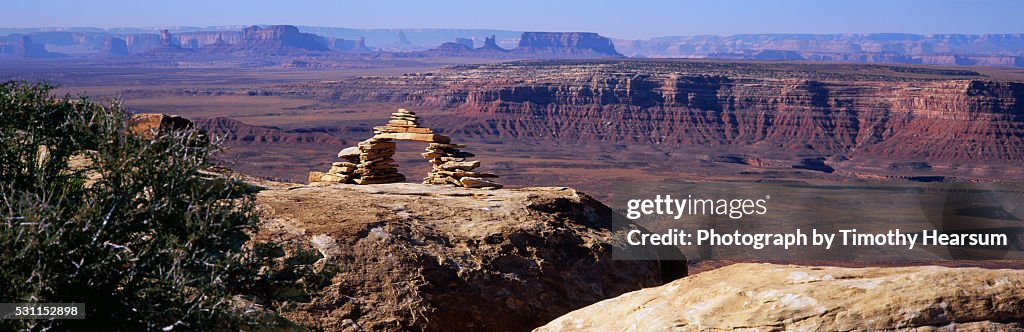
x: 622, y: 19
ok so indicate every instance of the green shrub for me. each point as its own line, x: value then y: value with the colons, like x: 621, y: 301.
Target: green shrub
x: 126, y: 225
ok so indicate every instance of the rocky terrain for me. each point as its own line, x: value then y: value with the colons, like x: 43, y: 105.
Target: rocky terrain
x: 234, y: 132
x: 765, y: 297
x: 852, y: 120
x: 398, y: 257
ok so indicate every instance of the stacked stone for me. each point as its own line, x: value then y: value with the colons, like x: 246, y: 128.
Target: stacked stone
x: 341, y: 171
x: 371, y: 161
x: 451, y: 167
x: 403, y: 121
x: 376, y: 164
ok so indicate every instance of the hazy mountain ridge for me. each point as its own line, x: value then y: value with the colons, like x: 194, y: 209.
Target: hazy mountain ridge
x: 423, y: 37
x: 942, y: 49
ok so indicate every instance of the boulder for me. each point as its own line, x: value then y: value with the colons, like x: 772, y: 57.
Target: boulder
x: 404, y: 256
x: 148, y: 125
x: 349, y: 152
x: 767, y: 297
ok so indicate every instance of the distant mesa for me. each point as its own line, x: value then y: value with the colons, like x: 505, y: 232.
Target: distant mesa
x: 167, y: 45
x: 279, y: 37
x: 566, y: 44
x: 464, y: 41
x: 536, y: 45
x: 22, y: 47
x: 345, y: 45
x: 114, y: 46
x: 453, y: 48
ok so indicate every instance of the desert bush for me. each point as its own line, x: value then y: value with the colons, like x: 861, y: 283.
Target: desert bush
x: 126, y: 225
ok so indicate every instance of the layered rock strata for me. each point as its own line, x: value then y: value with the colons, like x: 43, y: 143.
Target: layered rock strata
x: 962, y: 123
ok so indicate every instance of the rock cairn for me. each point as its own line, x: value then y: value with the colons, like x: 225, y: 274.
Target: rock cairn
x: 372, y: 162
x: 341, y: 171
x: 403, y: 121
x: 376, y: 164
x: 450, y: 166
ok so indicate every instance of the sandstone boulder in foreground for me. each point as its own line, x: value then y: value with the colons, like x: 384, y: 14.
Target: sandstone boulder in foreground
x: 766, y: 297
x: 409, y: 256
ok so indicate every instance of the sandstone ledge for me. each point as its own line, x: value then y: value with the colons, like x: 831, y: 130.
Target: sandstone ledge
x: 403, y: 256
x: 766, y: 297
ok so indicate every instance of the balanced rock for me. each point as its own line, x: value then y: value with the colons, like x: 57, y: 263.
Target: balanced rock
x: 349, y: 152
x: 341, y: 171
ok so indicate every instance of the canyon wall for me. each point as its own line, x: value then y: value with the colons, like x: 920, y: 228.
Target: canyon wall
x: 948, y: 120
x: 851, y: 117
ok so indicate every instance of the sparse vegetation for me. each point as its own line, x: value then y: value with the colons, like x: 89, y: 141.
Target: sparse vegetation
x: 126, y: 225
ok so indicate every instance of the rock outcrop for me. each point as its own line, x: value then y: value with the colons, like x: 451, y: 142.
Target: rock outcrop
x: 278, y: 38
x: 208, y: 39
x: 399, y: 257
x: 534, y: 45
x: 491, y: 45
x: 167, y: 45
x: 345, y: 45
x: 236, y: 133
x: 566, y: 44
x: 464, y: 41
x: 167, y: 41
x: 402, y: 44
x: 765, y: 297
x: 453, y: 49
x: 149, y: 125
x: 114, y: 46
x: 22, y: 46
